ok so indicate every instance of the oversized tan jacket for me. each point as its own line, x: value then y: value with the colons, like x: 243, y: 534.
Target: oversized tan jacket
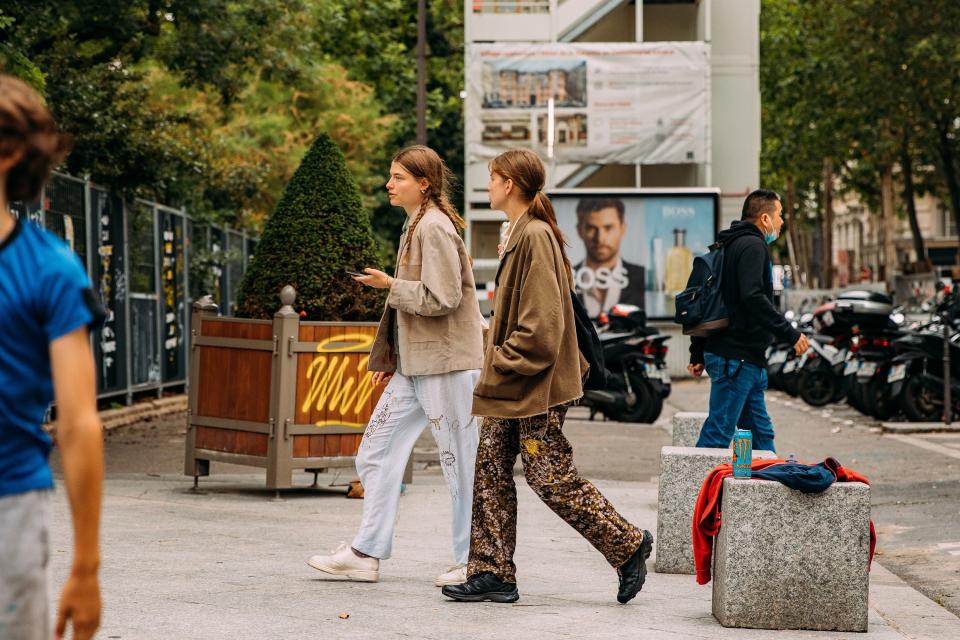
x: 439, y: 325
x: 531, y: 358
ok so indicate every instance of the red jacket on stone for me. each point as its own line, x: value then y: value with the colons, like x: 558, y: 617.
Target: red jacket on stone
x: 706, y: 513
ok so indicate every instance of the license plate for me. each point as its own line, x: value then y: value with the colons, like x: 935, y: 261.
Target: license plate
x: 851, y: 367
x: 790, y: 366
x: 653, y: 373
x: 867, y: 369
x: 897, y: 372
x: 778, y: 357
x: 840, y: 356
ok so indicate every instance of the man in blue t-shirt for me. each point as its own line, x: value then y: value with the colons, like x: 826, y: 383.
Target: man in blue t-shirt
x: 46, y: 311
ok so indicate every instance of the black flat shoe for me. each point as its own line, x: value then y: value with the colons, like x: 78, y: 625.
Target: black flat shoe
x: 483, y: 587
x: 633, y: 572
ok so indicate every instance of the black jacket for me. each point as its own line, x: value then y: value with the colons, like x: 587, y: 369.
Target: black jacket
x: 634, y: 294
x: 747, y: 289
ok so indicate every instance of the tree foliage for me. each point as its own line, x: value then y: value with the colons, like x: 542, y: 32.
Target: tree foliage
x: 866, y: 83
x: 376, y: 43
x: 318, y: 230
x: 14, y: 59
x: 211, y: 104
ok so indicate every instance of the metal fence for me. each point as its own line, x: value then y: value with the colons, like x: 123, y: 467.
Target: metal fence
x: 139, y: 257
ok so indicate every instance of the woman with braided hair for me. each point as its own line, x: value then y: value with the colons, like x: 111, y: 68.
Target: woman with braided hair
x: 428, y: 351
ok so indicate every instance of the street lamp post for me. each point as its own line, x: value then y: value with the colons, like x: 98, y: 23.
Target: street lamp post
x: 422, y: 72
x: 947, y: 400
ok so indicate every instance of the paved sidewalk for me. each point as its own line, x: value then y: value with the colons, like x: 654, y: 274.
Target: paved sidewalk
x: 230, y: 563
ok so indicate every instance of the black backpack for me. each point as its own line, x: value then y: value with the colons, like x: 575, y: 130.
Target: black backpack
x: 590, y: 347
x: 700, y: 308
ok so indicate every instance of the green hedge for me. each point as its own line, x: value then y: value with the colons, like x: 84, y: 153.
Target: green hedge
x: 318, y: 229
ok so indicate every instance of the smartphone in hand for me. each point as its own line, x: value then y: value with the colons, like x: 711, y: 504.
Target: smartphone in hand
x: 354, y: 273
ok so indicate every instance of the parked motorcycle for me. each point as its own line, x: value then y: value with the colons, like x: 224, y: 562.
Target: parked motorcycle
x: 821, y: 369
x: 635, y: 358
x: 870, y: 392
x: 783, y: 363
x: 845, y: 328
x: 916, y: 376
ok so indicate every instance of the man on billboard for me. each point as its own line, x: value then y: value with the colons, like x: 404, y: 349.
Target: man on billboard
x: 604, y: 278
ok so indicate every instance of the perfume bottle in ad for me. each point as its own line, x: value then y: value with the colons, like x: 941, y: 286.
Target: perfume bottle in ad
x: 679, y: 262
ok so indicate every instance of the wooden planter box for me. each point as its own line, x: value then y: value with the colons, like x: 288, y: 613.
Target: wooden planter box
x: 280, y: 395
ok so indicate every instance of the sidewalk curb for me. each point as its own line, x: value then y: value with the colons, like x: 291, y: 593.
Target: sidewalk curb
x: 920, y: 427
x: 906, y: 609
x: 139, y: 412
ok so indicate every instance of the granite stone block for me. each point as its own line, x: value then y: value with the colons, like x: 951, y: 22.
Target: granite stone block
x: 682, y: 472
x: 686, y: 428
x: 789, y: 560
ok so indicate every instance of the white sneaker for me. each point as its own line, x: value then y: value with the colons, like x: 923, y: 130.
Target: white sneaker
x: 457, y: 574
x: 344, y: 562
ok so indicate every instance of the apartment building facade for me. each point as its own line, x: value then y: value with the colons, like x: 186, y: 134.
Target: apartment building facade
x: 858, y: 239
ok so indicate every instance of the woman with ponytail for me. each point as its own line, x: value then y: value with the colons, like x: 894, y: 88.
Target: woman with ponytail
x: 532, y: 370
x: 428, y: 351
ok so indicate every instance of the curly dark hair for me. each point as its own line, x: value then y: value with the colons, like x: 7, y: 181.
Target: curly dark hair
x: 27, y: 129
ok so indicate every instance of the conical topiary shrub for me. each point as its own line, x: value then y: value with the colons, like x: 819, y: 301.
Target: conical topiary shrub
x: 318, y: 230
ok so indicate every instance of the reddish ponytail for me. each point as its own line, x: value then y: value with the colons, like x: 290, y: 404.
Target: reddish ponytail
x: 526, y: 170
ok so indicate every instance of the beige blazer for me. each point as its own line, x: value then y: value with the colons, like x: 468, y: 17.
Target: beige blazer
x: 439, y: 325
x: 532, y: 360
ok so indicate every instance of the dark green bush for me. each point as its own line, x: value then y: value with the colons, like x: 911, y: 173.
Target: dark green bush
x: 318, y: 229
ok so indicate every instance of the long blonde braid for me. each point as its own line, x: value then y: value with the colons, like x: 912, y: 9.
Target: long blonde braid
x: 424, y: 163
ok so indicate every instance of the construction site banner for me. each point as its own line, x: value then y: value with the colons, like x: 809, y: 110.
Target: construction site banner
x: 613, y: 103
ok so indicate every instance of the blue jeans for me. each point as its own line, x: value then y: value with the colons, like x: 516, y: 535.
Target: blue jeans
x: 736, y: 399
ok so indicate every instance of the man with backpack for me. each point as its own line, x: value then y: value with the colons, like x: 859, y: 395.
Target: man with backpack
x: 735, y: 357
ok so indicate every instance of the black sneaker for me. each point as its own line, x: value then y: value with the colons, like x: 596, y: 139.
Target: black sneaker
x: 634, y: 571
x: 483, y: 587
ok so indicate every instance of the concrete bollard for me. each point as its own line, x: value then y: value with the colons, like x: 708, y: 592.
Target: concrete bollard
x: 686, y: 428
x: 789, y: 560
x: 682, y: 472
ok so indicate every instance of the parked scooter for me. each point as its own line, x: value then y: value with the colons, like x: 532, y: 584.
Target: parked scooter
x: 849, y: 325
x: 868, y: 380
x: 783, y: 363
x: 916, y: 376
x: 635, y: 357
x: 821, y: 369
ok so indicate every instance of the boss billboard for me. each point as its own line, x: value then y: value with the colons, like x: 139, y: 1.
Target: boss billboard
x: 635, y: 246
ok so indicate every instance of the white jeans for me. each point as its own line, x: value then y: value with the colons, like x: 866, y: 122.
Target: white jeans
x: 407, y: 406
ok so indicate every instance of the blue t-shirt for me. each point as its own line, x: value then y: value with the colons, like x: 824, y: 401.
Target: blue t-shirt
x: 44, y: 295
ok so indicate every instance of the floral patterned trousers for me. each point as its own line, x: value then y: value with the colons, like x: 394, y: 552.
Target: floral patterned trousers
x: 548, y: 466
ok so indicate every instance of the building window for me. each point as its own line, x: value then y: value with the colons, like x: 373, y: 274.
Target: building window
x: 948, y: 224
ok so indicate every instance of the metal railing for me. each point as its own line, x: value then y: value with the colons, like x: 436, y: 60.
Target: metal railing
x: 148, y: 262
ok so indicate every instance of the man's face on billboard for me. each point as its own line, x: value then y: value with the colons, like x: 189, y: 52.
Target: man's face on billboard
x: 601, y: 232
